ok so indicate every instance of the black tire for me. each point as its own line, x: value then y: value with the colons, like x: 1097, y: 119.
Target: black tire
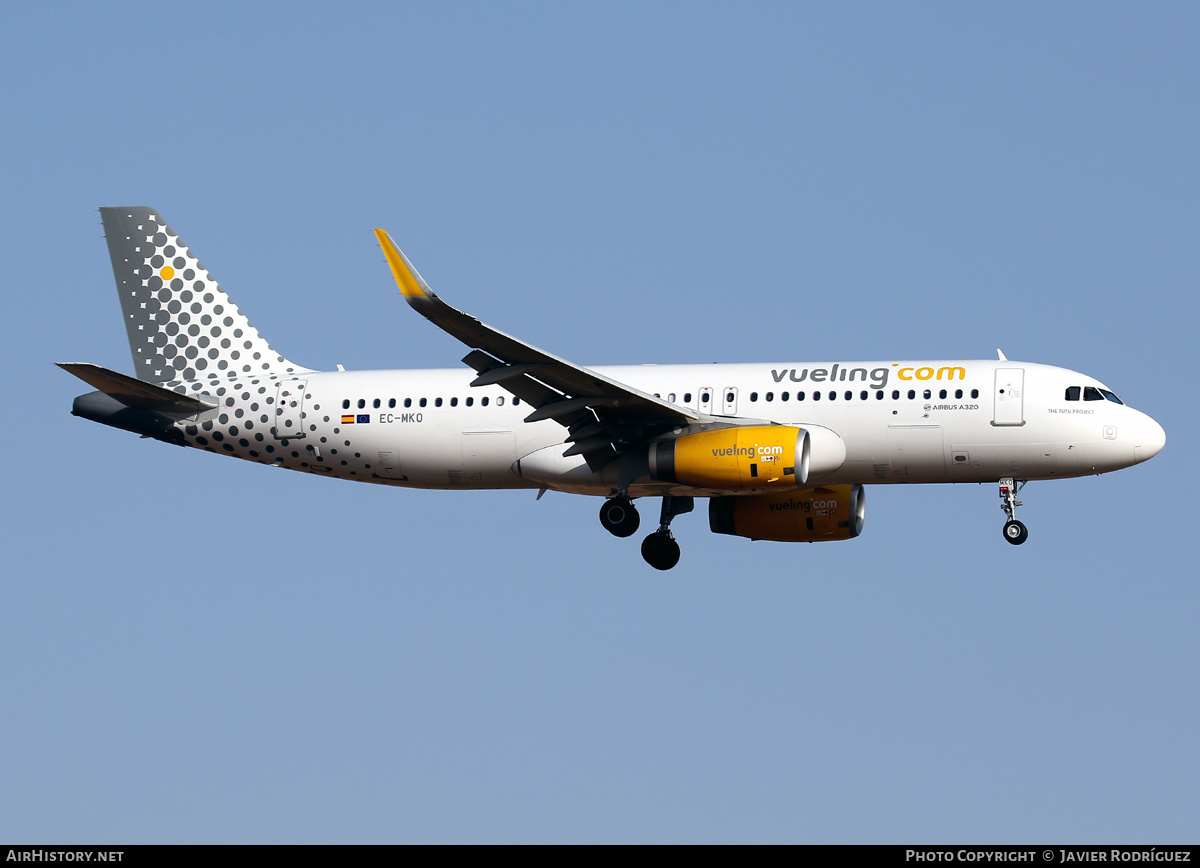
x: 660, y: 550
x: 1015, y: 532
x: 620, y: 517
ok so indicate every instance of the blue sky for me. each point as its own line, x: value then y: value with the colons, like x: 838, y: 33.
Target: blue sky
x: 194, y: 649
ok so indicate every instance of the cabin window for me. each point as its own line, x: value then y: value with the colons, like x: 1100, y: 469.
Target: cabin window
x: 423, y: 402
x: 958, y: 393
x: 863, y: 394
x: 346, y: 404
x: 816, y: 396
x: 516, y: 401
x: 770, y: 396
x: 437, y: 402
x: 454, y: 402
x: 833, y: 396
x: 687, y: 397
x: 928, y: 394
x: 849, y: 396
x: 361, y: 403
x: 500, y: 401
x: 376, y: 403
x: 942, y: 394
x: 895, y: 394
x: 391, y: 403
x: 753, y: 397
x: 470, y: 402
x: 783, y: 396
x: 974, y: 393
x: 483, y: 402
x: 799, y: 396
x: 912, y: 394
x: 879, y: 396
x: 408, y: 402
x: 670, y: 397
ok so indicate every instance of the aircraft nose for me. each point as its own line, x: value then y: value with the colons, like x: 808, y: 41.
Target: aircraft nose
x: 1151, y: 438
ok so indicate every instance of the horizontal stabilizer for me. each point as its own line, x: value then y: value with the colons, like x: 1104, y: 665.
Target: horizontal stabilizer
x: 135, y: 393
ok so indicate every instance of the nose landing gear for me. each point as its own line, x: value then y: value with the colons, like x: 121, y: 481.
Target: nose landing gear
x: 660, y: 549
x: 1014, y: 531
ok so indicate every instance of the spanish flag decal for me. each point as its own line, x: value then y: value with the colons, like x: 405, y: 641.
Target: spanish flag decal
x: 347, y: 420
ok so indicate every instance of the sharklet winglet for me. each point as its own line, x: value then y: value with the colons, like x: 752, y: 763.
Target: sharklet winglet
x: 411, y: 284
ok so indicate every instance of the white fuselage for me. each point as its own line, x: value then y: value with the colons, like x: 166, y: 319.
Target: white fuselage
x: 796, y: 441
x: 914, y: 422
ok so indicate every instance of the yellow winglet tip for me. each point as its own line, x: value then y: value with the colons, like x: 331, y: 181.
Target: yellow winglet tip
x: 407, y: 278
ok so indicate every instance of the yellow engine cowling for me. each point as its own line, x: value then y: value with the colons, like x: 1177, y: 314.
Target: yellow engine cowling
x: 831, y: 512
x: 753, y: 457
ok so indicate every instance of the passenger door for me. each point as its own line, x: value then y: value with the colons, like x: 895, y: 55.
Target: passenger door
x: 289, y: 410
x: 1009, y: 397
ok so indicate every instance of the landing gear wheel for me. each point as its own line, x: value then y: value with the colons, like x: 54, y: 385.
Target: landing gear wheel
x: 1015, y: 532
x: 660, y: 550
x: 620, y: 517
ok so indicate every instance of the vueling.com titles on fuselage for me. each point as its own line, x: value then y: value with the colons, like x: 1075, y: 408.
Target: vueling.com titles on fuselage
x: 763, y: 452
x: 878, y: 377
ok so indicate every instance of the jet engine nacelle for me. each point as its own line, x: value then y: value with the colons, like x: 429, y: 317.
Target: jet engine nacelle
x: 734, y: 459
x: 832, y: 512
x: 828, y: 452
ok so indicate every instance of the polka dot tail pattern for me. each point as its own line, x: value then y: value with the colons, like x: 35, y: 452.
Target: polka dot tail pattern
x: 184, y: 332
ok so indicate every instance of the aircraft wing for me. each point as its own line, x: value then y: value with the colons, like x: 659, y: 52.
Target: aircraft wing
x: 600, y: 413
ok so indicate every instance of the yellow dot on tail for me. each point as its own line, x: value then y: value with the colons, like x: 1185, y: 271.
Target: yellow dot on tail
x: 167, y: 272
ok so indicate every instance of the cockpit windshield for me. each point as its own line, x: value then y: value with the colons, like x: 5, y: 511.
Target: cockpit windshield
x: 1091, y: 393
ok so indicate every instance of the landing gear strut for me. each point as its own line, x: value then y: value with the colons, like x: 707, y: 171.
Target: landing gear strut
x: 660, y: 549
x: 1014, y: 531
x: 619, y: 516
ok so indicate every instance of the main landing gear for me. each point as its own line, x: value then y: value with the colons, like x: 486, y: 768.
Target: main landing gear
x: 660, y: 549
x: 1014, y: 531
x: 620, y: 518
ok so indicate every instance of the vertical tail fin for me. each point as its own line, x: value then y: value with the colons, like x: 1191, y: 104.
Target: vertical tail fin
x: 183, y: 328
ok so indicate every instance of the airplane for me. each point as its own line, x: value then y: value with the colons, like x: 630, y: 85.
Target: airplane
x: 782, y: 451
